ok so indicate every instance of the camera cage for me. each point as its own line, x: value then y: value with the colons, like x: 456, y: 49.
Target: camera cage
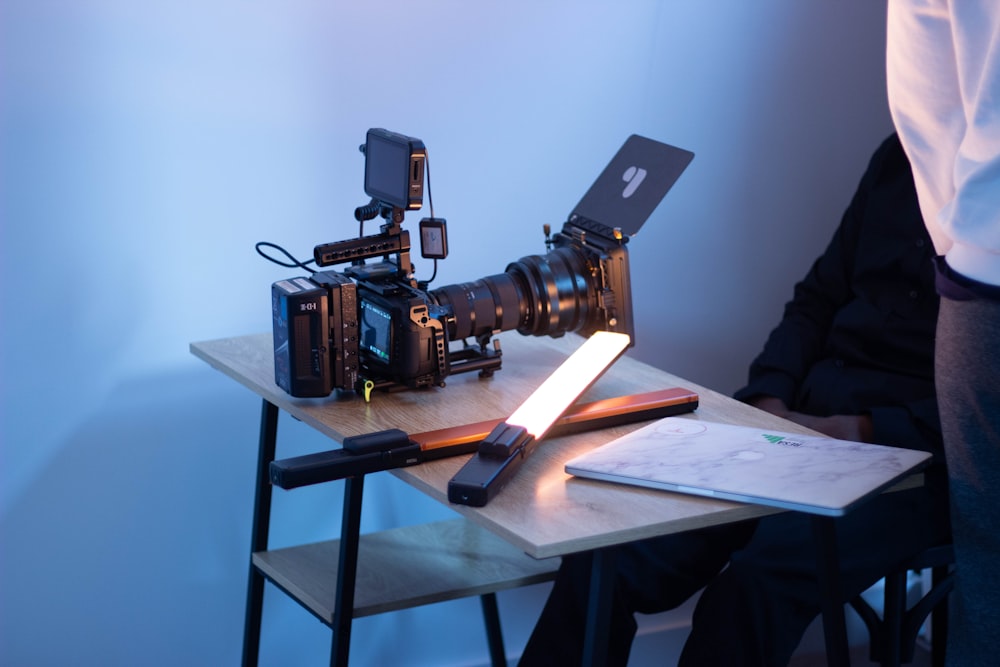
x: 389, y: 286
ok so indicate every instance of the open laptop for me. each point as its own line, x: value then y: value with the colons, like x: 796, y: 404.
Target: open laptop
x: 633, y: 184
x: 810, y: 474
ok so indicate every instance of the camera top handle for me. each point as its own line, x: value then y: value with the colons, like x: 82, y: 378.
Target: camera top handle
x: 392, y: 239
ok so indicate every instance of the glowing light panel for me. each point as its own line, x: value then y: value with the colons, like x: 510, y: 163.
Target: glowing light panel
x: 567, y: 382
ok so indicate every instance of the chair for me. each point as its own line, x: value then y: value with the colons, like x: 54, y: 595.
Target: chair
x: 893, y: 636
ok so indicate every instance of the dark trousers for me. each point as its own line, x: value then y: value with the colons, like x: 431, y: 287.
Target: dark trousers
x: 968, y: 386
x: 760, y: 580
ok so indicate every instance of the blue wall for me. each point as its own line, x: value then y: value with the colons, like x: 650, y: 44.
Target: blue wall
x: 147, y: 146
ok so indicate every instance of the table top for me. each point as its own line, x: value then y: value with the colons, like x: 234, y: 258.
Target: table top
x: 543, y: 510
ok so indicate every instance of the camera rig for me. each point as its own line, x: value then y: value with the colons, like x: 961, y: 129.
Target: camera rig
x: 374, y: 326
x: 371, y: 326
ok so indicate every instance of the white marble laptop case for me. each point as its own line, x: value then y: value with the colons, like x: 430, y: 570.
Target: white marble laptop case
x: 810, y: 474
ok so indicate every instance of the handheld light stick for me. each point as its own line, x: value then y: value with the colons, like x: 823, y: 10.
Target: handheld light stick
x: 511, y: 441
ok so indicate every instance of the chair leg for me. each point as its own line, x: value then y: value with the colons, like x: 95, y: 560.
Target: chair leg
x: 893, y: 636
x: 873, y: 622
x: 939, y: 619
x: 494, y: 636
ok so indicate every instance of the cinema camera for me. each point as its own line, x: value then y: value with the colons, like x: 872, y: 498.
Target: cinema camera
x: 373, y: 326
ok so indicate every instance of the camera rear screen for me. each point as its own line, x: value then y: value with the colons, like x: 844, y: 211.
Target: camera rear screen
x: 387, y: 170
x: 376, y: 331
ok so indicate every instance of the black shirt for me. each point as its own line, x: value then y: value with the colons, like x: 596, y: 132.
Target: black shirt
x: 858, y: 335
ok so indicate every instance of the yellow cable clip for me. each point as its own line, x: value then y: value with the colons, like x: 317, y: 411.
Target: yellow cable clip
x: 369, y: 385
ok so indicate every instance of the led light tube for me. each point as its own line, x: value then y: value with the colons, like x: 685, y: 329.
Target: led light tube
x: 507, y: 446
x: 573, y: 377
x: 546, y: 404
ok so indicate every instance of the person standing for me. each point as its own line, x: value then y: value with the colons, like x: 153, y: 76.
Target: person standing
x: 943, y: 77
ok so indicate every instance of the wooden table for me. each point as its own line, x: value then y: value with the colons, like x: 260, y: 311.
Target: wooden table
x: 543, y: 511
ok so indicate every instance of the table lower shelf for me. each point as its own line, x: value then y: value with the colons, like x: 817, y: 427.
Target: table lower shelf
x: 405, y: 567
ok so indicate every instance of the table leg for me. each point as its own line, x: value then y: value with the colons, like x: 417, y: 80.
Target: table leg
x: 893, y: 613
x: 494, y: 636
x: 261, y: 526
x: 834, y: 627
x: 602, y: 584
x: 347, y: 570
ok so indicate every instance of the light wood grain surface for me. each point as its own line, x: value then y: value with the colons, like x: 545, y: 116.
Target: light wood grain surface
x: 543, y: 511
x: 405, y: 567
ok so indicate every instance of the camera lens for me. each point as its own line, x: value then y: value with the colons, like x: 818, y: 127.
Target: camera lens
x: 483, y: 306
x: 558, y: 290
x: 539, y: 295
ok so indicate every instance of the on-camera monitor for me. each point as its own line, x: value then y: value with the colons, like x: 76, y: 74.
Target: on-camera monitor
x: 394, y: 169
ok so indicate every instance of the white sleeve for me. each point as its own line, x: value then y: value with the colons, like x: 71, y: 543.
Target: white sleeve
x: 943, y: 74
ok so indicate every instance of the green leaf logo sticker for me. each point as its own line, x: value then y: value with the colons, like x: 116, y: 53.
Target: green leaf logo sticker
x: 781, y: 440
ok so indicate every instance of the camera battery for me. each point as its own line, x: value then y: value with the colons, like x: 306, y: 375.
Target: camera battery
x: 301, y: 327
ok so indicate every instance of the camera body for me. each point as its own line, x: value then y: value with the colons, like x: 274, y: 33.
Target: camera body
x: 373, y: 326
